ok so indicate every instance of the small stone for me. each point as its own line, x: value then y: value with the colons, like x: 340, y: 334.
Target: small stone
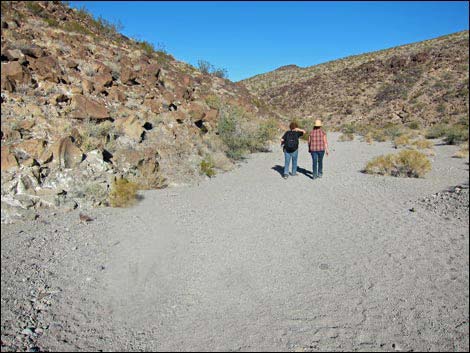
x: 412, y: 209
x: 28, y: 331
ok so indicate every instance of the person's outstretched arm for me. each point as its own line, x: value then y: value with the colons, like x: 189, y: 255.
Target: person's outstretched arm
x: 326, y: 144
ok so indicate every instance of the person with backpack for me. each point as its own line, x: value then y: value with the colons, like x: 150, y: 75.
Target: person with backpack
x: 317, y: 146
x: 290, y: 143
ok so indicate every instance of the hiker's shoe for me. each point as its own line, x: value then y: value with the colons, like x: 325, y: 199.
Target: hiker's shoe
x: 285, y: 176
x: 320, y: 175
x: 294, y: 174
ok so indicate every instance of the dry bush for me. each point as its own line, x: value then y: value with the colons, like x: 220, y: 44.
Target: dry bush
x: 346, y: 137
x: 401, y: 141
x: 463, y: 152
x: 407, y: 163
x: 123, y: 193
x: 368, y: 138
x: 422, y: 144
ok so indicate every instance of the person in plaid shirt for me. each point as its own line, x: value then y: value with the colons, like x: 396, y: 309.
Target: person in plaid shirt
x: 317, y: 146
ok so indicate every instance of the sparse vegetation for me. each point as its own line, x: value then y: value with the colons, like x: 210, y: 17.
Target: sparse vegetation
x: 423, y: 144
x: 73, y: 26
x: 238, y: 133
x: 452, y: 134
x: 401, y: 141
x: 207, y: 68
x: 123, y: 193
x: 463, y: 152
x: 407, y: 163
x: 346, y: 137
x: 207, y: 166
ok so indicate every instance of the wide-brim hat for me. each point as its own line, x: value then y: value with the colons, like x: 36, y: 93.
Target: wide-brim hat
x: 317, y: 123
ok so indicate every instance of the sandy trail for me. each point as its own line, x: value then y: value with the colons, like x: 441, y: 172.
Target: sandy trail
x: 250, y: 261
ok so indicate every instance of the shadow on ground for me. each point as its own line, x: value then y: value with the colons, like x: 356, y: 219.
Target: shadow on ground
x: 280, y: 169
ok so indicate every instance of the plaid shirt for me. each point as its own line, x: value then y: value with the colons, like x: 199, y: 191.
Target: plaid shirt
x: 317, y: 140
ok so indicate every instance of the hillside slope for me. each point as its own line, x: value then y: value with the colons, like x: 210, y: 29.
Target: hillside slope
x: 425, y: 82
x: 83, y: 105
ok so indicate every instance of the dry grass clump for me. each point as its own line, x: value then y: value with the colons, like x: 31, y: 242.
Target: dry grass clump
x: 123, y: 193
x: 402, y: 140
x: 346, y: 137
x: 423, y: 144
x: 463, y: 152
x: 407, y: 163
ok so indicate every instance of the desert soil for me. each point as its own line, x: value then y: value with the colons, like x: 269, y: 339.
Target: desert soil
x: 248, y: 261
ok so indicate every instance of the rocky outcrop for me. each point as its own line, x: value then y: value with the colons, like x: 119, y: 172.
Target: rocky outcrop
x: 87, y: 108
x: 80, y: 109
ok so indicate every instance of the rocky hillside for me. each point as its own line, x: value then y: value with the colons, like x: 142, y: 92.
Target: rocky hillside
x: 426, y: 82
x: 83, y: 105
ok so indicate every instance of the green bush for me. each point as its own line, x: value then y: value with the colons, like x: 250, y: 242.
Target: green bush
x: 407, y: 163
x: 452, y: 134
x: 240, y: 135
x: 207, y: 167
x: 51, y: 22
x: 456, y: 134
x: 414, y: 125
x: 436, y: 131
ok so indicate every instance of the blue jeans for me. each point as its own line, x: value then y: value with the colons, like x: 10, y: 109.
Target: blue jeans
x: 287, y: 158
x: 317, y: 163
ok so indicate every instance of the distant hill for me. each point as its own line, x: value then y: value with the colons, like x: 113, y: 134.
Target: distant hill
x: 425, y: 82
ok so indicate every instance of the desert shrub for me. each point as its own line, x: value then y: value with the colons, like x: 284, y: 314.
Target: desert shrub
x: 213, y: 101
x: 346, y: 137
x: 393, y: 131
x: 267, y: 131
x: 463, y: 152
x: 401, y: 141
x: 422, y: 144
x: 239, y: 135
x: 379, y: 135
x: 436, y: 131
x: 204, y: 66
x: 230, y: 131
x: 207, y: 68
x: 207, y: 167
x: 368, y: 138
x: 51, y: 22
x: 147, y: 47
x: 73, y: 26
x: 34, y: 7
x: 93, y: 134
x: 456, y: 134
x: 348, y: 128
x: 123, y: 193
x: 414, y: 125
x: 407, y: 163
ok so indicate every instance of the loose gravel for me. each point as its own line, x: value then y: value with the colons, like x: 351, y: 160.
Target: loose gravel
x: 248, y: 261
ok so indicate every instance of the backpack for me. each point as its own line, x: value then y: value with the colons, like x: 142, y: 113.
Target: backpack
x: 291, y: 144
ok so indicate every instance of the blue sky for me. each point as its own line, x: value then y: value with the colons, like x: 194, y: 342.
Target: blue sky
x: 250, y: 37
